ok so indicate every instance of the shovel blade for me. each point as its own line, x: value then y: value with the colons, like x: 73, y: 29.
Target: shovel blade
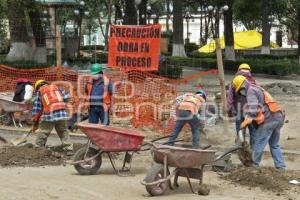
x: 19, y: 140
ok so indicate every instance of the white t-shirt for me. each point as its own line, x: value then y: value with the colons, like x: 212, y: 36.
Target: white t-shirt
x: 28, y: 92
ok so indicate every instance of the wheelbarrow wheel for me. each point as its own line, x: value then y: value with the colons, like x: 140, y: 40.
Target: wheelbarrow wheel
x: 92, y: 166
x: 155, y: 173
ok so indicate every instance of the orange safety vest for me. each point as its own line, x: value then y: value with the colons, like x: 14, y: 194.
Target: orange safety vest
x: 270, y: 102
x: 191, y: 102
x: 106, y: 95
x: 52, y: 99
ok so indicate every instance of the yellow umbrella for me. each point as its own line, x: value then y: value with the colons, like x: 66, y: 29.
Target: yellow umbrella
x: 242, y: 40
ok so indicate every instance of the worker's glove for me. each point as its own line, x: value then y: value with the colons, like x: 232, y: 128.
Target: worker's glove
x: 34, y: 128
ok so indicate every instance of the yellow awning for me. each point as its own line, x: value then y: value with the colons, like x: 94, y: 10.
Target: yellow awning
x: 242, y: 40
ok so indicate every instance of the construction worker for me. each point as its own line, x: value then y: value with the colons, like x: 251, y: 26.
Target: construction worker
x: 236, y: 102
x: 50, y: 109
x: 23, y: 93
x: 188, y: 109
x: 24, y: 90
x: 265, y: 114
x: 99, y: 91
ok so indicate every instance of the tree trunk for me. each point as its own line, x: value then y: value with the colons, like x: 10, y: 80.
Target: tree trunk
x: 40, y: 51
x: 217, y: 24
x: 201, y: 24
x: 130, y: 17
x: 298, y: 15
x: 178, y: 45
x: 168, y: 2
x: 143, y: 12
x: 20, y: 45
x: 108, y: 23
x: 229, y: 38
x: 266, y: 28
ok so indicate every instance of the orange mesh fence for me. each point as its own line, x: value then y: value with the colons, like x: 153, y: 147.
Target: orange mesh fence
x: 143, y: 98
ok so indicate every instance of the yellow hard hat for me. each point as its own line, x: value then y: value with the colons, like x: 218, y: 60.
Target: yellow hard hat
x: 244, y: 66
x: 37, y: 83
x: 238, y: 82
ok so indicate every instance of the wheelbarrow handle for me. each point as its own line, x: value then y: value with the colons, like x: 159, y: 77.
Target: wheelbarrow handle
x: 229, y: 151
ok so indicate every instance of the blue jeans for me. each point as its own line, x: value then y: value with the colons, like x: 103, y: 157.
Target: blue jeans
x: 268, y: 132
x: 251, y: 129
x: 184, y: 117
x: 97, y: 113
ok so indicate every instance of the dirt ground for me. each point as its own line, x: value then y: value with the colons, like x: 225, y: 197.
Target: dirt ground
x: 266, y: 178
x: 62, y: 182
x: 30, y: 156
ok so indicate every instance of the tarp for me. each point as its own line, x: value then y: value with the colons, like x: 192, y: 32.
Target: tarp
x: 242, y: 40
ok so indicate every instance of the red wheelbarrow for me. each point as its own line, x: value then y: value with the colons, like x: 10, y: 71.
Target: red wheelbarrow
x: 106, y: 139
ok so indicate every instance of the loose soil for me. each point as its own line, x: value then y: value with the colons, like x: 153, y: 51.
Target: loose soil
x: 265, y: 178
x: 29, y: 156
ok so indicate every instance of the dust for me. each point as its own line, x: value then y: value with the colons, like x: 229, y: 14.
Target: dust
x: 266, y: 178
x: 30, y: 156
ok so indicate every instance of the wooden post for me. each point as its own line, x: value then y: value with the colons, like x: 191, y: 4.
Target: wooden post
x: 58, y: 45
x: 222, y: 83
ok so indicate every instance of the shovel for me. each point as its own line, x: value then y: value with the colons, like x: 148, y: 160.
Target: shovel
x: 19, y: 140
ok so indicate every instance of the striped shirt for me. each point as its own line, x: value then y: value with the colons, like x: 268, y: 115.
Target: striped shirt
x: 53, y: 116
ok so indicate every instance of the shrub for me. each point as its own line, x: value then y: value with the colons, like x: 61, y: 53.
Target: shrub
x: 197, y: 54
x: 280, y: 67
x: 168, y: 70
x: 190, y: 47
x: 92, y: 47
x: 100, y: 58
x: 271, y: 57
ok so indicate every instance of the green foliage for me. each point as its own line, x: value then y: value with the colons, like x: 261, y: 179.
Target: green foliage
x: 268, y: 57
x: 92, y: 47
x: 22, y: 64
x: 281, y: 67
x: 190, y: 47
x: 100, y: 58
x: 291, y: 18
x: 170, y: 71
x: 3, y: 26
x: 197, y: 54
x: 249, y: 13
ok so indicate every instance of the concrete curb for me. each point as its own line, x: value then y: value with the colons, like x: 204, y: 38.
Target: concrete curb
x: 21, y: 131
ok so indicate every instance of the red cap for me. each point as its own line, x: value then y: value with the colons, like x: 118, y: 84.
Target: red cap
x: 22, y: 80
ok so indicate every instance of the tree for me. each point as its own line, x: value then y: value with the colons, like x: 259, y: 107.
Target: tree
x: 20, y: 44
x: 102, y: 13
x: 228, y: 32
x: 130, y: 17
x: 271, y: 10
x: 3, y: 26
x: 247, y: 13
x: 259, y: 14
x: 178, y: 45
x: 266, y: 27
x: 39, y: 46
x: 168, y: 13
x: 291, y: 20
